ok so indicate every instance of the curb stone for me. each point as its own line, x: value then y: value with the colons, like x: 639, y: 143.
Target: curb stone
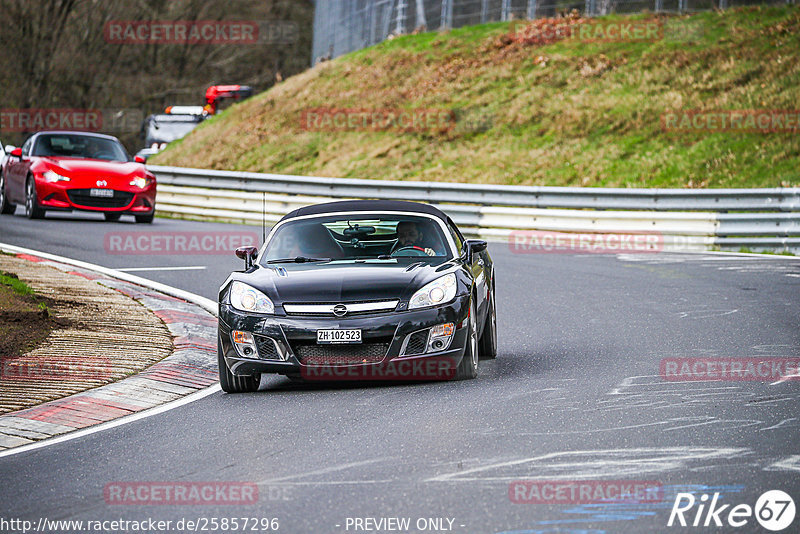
x: 191, y: 367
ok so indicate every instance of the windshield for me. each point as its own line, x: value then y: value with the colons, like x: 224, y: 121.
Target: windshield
x: 165, y: 129
x: 360, y: 237
x: 79, y: 146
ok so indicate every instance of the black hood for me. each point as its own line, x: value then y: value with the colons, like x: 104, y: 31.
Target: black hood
x: 332, y: 282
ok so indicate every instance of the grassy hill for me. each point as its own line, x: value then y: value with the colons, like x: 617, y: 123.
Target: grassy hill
x: 569, y: 112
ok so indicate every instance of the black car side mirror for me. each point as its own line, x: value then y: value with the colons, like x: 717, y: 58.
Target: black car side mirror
x: 248, y: 254
x: 471, y: 246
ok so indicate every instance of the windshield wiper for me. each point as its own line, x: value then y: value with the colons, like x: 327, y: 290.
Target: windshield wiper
x: 298, y: 259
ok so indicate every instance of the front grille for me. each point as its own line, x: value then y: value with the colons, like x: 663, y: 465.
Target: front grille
x: 341, y: 354
x: 266, y: 348
x: 81, y: 197
x: 417, y: 342
x: 303, y: 309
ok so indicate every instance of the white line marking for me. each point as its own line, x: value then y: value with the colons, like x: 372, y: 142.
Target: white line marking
x: 328, y: 483
x: 785, y: 378
x: 750, y: 422
x: 207, y: 304
x: 600, y: 463
x: 138, y: 269
x: 773, y: 427
x: 324, y: 470
x: 115, y: 423
x: 792, y: 463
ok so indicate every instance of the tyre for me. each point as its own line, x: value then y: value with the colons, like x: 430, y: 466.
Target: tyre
x: 468, y: 368
x: 6, y: 207
x: 111, y: 217
x: 487, y: 345
x: 146, y: 219
x: 232, y: 383
x: 32, y: 208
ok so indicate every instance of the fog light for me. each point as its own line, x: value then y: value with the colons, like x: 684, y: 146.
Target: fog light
x: 440, y: 337
x: 244, y: 343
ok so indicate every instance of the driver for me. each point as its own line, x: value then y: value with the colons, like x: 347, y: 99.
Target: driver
x: 409, y: 235
x: 93, y: 149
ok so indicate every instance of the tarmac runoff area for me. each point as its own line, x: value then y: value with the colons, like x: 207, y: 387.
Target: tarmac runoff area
x: 86, y: 373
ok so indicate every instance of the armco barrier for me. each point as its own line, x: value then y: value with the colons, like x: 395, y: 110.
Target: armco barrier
x: 688, y: 219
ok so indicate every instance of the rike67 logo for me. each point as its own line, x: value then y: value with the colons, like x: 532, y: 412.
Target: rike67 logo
x: 774, y: 510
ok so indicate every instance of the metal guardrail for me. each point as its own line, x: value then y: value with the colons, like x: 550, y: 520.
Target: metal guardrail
x: 687, y: 218
x: 775, y: 199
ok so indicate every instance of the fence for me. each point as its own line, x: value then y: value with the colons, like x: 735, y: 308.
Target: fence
x: 687, y: 219
x: 342, y: 26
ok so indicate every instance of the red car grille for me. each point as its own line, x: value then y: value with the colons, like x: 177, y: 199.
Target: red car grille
x: 81, y: 197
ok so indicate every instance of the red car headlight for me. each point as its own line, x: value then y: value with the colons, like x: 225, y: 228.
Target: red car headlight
x: 52, y: 177
x: 141, y: 182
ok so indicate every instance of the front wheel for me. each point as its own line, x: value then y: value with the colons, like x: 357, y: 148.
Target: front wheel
x: 146, y: 219
x: 6, y: 207
x: 468, y: 368
x: 32, y: 208
x: 232, y: 383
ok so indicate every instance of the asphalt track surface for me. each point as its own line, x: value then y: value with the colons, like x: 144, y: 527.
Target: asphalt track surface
x: 575, y: 394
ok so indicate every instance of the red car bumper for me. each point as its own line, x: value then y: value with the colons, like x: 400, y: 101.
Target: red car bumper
x: 64, y: 196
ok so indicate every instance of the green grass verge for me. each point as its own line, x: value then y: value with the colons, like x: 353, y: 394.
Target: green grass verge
x: 568, y: 113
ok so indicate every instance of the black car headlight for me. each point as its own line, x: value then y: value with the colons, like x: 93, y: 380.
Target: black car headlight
x: 249, y: 299
x: 440, y: 291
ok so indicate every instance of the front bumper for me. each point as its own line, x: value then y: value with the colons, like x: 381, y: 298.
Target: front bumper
x: 293, y: 336
x: 66, y: 197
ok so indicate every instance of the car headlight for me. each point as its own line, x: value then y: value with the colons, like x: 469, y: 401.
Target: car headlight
x: 139, y: 182
x: 52, y: 176
x: 437, y: 292
x: 249, y: 299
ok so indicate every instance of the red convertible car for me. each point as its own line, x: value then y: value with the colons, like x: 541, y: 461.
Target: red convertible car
x: 64, y: 171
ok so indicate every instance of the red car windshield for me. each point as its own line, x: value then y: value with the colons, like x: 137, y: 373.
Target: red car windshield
x: 79, y: 146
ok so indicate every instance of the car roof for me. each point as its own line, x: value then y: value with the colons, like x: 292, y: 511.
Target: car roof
x: 372, y: 206
x: 75, y: 132
x: 177, y: 117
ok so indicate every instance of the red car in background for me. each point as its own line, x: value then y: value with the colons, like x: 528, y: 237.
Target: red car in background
x: 65, y: 171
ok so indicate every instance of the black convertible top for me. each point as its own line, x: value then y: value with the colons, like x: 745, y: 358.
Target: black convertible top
x: 374, y: 206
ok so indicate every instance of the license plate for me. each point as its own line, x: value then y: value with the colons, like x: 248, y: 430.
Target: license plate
x: 326, y: 337
x: 107, y: 193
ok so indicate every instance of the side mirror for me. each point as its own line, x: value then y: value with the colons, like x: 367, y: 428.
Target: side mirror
x: 248, y: 254
x: 477, y: 245
x: 17, y: 152
x: 471, y: 246
x: 139, y: 159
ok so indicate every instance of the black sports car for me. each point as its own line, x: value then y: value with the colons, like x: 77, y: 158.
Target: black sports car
x: 358, y: 290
